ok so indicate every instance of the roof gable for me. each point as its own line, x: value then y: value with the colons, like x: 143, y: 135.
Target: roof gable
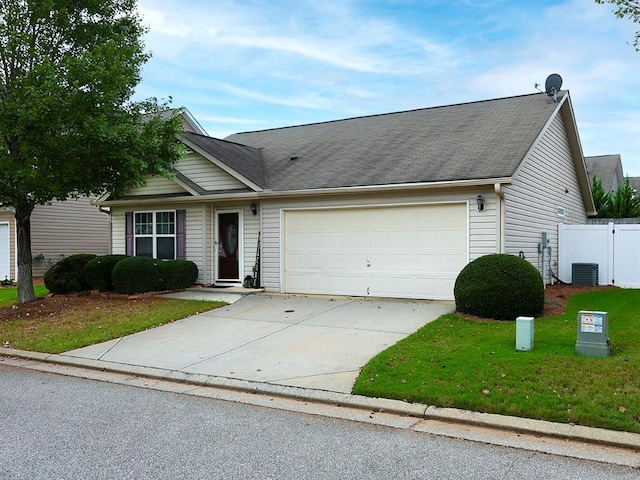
x: 608, y: 169
x: 242, y: 162
x: 479, y: 140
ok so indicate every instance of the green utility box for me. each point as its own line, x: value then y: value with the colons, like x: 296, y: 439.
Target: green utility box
x: 524, y: 333
x: 593, y: 334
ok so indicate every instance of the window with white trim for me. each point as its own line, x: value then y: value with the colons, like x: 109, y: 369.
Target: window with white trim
x: 154, y: 234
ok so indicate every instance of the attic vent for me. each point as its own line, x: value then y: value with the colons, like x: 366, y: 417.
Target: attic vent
x: 295, y: 157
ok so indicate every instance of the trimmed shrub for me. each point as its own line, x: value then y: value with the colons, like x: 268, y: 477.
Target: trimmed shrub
x: 136, y: 275
x: 97, y: 273
x: 177, y: 274
x: 66, y: 275
x: 499, y: 286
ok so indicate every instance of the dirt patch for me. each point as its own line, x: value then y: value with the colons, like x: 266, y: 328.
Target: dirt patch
x: 556, y: 296
x: 53, y: 307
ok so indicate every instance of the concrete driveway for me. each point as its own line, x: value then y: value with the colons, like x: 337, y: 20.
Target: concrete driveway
x: 311, y: 342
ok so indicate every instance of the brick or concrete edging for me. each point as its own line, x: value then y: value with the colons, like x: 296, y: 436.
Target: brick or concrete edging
x: 596, y: 436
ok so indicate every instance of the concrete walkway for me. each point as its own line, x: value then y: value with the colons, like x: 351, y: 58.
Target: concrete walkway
x: 302, y: 341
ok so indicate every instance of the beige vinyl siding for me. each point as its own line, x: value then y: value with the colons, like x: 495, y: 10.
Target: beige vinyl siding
x: 7, y: 218
x: 156, y: 186
x: 195, y: 232
x: 545, y: 180
x: 207, y: 175
x: 61, y: 229
x: 482, y: 225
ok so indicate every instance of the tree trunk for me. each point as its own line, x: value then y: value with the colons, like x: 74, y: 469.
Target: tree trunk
x: 25, y: 273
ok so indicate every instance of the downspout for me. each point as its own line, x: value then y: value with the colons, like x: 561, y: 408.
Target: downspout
x: 497, y: 187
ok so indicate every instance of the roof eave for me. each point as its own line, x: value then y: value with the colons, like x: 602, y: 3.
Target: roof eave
x: 269, y: 194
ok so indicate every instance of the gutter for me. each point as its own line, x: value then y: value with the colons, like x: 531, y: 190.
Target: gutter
x: 269, y: 194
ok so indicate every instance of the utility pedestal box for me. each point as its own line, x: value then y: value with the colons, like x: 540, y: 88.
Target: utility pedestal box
x: 593, y: 334
x: 524, y: 333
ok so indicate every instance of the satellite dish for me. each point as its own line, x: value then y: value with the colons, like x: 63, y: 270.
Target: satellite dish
x: 552, y: 85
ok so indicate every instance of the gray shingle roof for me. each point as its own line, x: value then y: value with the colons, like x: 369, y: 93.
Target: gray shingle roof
x: 608, y: 169
x: 245, y: 160
x: 478, y: 140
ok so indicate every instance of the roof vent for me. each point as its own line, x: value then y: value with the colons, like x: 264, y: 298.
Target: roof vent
x: 295, y: 157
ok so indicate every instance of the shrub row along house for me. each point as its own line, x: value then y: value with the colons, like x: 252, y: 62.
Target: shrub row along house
x: 391, y: 205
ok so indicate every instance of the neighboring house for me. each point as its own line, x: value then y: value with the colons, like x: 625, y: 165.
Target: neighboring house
x: 608, y: 169
x: 58, y: 229
x: 391, y: 205
x: 635, y: 183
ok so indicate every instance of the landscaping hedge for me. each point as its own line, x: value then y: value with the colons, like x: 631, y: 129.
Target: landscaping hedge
x: 66, y: 276
x: 136, y: 275
x: 499, y: 286
x: 97, y: 272
x: 177, y: 274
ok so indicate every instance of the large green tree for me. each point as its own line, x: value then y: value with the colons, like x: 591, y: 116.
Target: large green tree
x: 68, y: 124
x: 627, y: 9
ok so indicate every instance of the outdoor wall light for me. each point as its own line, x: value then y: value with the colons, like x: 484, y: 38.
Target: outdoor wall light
x: 254, y: 209
x: 480, y: 203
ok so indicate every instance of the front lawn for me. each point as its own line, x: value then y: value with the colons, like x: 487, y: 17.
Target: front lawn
x: 9, y: 295
x: 472, y: 364
x: 60, y: 323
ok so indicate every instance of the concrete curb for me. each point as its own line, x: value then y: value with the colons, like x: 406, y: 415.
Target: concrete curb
x: 590, y: 435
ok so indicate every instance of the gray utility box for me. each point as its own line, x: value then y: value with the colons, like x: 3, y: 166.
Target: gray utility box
x: 593, y: 334
x: 584, y: 274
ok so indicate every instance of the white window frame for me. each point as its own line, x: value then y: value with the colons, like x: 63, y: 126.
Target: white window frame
x: 155, y: 235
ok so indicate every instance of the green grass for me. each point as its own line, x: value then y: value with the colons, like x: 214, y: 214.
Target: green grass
x: 9, y: 295
x: 78, y: 321
x: 472, y: 364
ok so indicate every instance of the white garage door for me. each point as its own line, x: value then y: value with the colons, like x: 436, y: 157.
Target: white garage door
x: 4, y: 251
x: 405, y: 252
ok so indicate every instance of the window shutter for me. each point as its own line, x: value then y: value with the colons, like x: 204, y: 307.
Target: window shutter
x: 128, y: 233
x: 181, y: 227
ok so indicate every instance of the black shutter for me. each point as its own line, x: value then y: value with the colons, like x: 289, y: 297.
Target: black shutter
x: 181, y: 227
x: 128, y: 233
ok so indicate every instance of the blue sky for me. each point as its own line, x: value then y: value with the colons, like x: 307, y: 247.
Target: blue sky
x: 255, y: 64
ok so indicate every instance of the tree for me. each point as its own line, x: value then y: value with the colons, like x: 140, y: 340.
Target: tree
x: 629, y: 9
x: 68, y: 124
x: 624, y: 203
x: 601, y: 198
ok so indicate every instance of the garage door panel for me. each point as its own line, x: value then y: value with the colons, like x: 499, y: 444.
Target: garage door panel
x: 406, y: 251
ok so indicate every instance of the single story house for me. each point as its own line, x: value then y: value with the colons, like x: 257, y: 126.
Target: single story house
x: 58, y: 229
x: 390, y: 205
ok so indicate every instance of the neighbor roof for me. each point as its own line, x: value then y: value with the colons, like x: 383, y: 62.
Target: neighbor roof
x: 479, y: 140
x: 608, y: 169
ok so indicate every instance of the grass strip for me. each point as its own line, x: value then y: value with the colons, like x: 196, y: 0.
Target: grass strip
x: 472, y: 364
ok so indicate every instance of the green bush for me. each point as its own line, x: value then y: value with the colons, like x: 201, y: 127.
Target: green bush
x: 499, y: 286
x: 136, y: 275
x: 66, y: 276
x: 177, y: 274
x: 97, y: 272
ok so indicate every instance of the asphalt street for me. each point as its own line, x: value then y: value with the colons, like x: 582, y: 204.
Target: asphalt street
x: 57, y: 427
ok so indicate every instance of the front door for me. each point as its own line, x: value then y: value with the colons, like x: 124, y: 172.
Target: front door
x: 228, y: 246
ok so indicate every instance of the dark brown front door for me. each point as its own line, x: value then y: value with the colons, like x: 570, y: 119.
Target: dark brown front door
x: 228, y: 232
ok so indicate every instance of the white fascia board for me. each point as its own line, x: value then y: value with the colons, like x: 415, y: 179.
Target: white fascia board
x: 268, y: 194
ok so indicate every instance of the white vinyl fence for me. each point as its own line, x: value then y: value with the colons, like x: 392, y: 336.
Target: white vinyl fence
x: 614, y: 247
